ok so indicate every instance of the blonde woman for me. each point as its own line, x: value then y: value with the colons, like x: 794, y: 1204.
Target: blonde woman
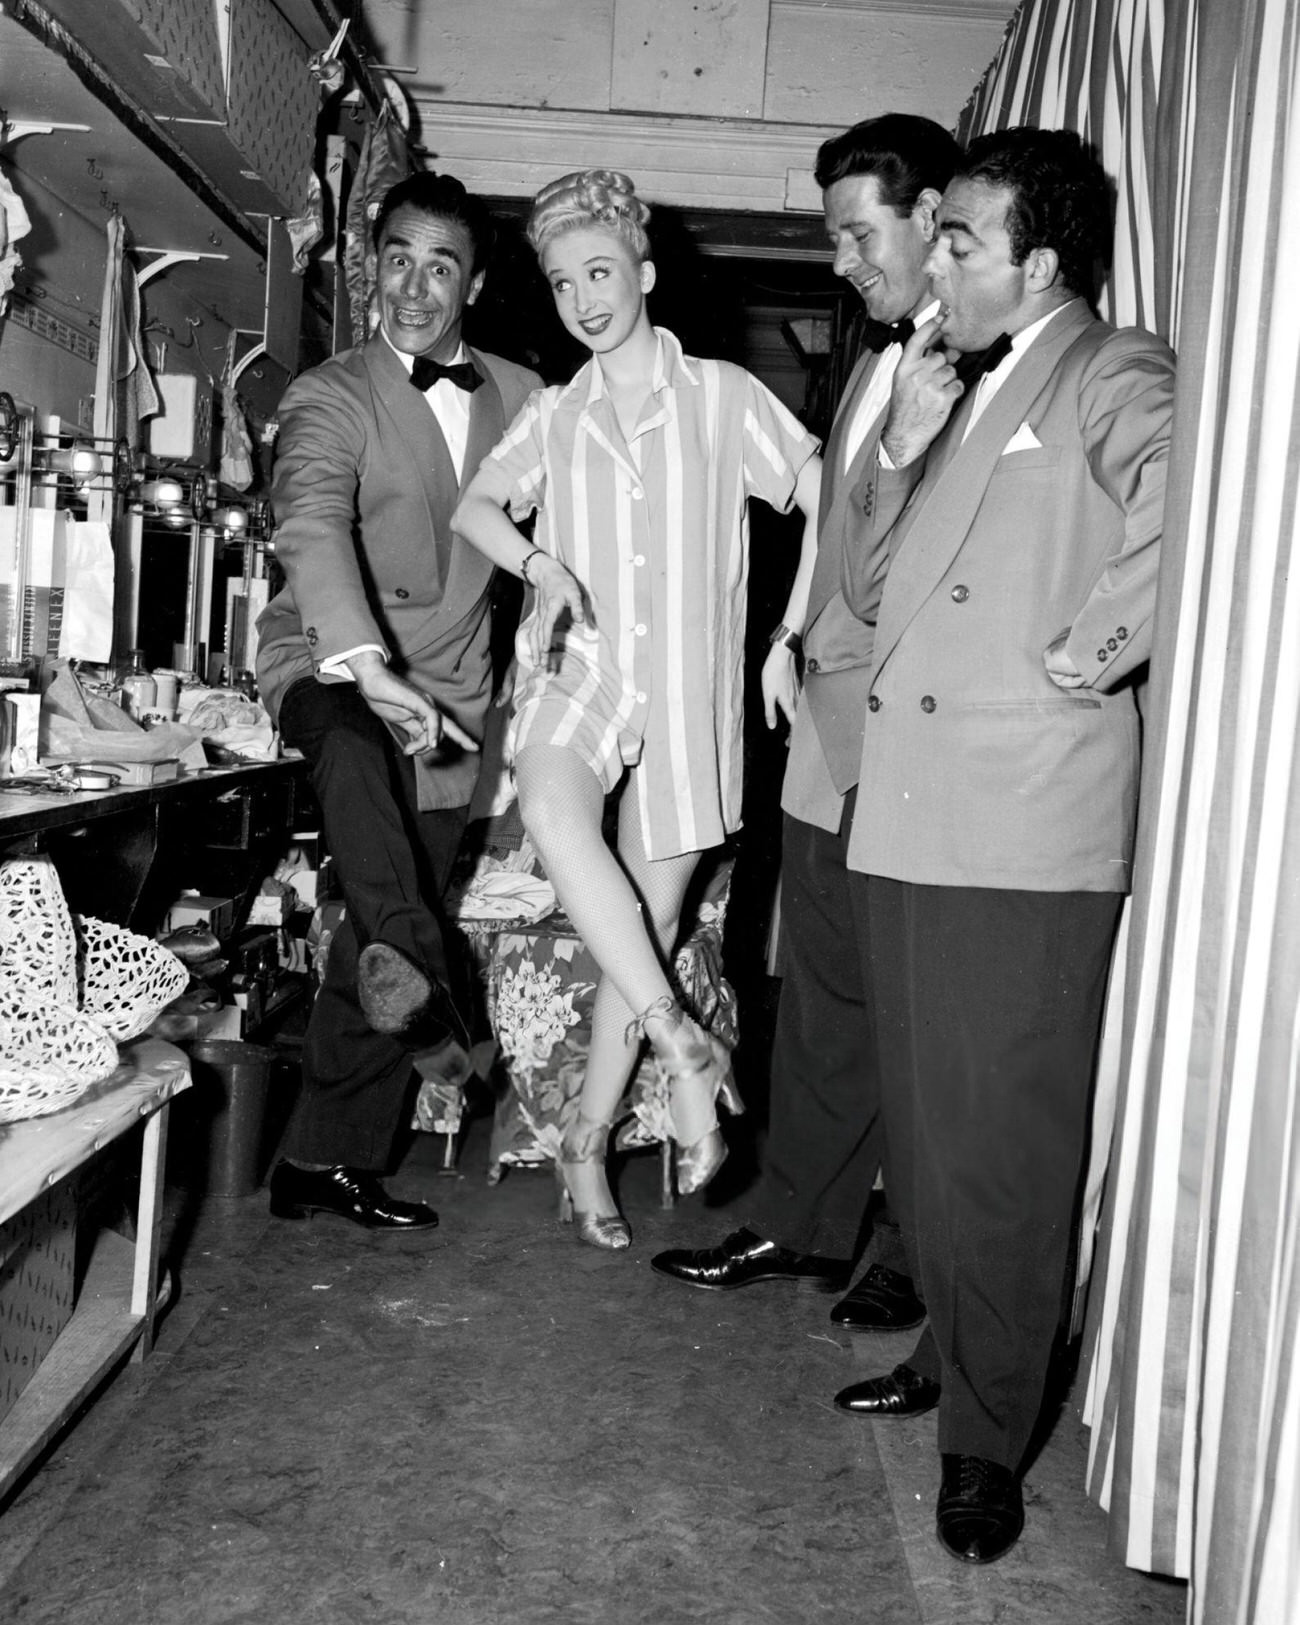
x: 629, y: 658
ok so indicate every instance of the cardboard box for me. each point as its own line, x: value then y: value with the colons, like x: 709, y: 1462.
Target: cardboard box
x: 227, y: 1021
x: 23, y: 732
x: 37, y: 1259
x: 192, y: 908
x: 272, y: 908
x: 143, y: 772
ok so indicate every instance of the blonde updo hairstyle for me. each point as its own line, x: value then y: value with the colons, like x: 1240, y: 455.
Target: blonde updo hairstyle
x: 590, y: 197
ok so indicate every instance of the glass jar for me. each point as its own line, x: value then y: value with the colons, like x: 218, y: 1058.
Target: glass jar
x: 139, y: 691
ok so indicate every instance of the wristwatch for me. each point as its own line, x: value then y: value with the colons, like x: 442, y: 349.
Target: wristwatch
x: 790, y: 640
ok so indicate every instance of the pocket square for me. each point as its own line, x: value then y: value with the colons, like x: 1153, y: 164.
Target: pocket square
x: 1024, y: 439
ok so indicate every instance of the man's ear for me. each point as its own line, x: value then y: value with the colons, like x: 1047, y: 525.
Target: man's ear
x: 924, y: 210
x: 647, y: 275
x: 372, y: 266
x: 475, y: 287
x: 1041, y: 268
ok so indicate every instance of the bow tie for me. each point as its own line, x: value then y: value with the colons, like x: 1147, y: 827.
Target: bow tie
x: 464, y: 374
x: 972, y: 367
x: 879, y: 336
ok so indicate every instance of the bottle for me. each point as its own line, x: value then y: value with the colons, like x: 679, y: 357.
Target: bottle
x: 139, y: 691
x: 168, y: 685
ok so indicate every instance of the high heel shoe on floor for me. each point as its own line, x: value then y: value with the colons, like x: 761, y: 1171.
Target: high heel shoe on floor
x: 698, y: 1072
x: 585, y: 1143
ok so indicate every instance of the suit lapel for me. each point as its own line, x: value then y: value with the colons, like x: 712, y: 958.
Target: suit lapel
x: 467, y: 567
x: 836, y: 491
x: 487, y: 420
x: 957, y: 476
x: 844, y: 414
x: 422, y: 440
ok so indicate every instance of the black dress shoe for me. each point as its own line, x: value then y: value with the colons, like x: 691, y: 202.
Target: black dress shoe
x: 903, y: 1392
x: 980, y: 1512
x: 882, y: 1301
x: 744, y: 1258
x: 349, y: 1192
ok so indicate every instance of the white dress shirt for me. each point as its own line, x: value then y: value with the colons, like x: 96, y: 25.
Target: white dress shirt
x: 993, y: 381
x: 450, y: 405
x: 876, y: 396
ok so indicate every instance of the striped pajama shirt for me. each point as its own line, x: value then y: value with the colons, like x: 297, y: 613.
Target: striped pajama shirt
x: 657, y: 532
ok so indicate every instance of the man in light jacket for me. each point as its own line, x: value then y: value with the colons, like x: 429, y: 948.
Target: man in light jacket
x: 375, y: 661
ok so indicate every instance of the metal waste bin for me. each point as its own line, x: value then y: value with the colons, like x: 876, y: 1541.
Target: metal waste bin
x: 232, y: 1081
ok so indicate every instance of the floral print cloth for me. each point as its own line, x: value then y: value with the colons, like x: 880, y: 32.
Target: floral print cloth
x: 541, y: 981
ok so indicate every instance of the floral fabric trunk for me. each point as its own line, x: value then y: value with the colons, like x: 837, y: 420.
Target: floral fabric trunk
x: 541, y: 982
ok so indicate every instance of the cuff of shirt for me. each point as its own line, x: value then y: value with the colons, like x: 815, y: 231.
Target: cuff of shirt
x: 336, y: 665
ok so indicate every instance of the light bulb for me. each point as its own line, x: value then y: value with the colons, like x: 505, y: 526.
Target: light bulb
x: 81, y: 463
x: 232, y: 519
x: 162, y: 493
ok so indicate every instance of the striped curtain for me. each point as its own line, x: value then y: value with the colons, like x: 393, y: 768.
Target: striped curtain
x: 1193, y: 1334
x: 1093, y: 66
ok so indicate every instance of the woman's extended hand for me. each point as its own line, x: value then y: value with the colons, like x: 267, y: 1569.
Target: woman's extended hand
x: 557, y: 590
x: 780, y: 684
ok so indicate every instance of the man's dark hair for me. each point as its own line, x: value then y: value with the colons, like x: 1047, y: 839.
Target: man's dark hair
x: 445, y: 196
x: 904, y: 152
x: 1060, y: 198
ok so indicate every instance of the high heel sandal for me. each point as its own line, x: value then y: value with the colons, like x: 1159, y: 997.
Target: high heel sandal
x: 585, y: 1143
x: 702, y: 1064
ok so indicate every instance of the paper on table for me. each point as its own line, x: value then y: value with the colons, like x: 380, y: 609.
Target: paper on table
x: 87, y: 631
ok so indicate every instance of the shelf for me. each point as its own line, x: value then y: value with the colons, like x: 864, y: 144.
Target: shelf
x: 103, y: 1329
x: 23, y: 813
x: 39, y: 1152
x: 120, y: 1295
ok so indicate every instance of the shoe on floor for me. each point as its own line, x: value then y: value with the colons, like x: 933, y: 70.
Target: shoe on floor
x: 980, y: 1511
x: 351, y: 1193
x: 903, y: 1392
x: 744, y: 1258
x: 882, y: 1301
x: 391, y: 990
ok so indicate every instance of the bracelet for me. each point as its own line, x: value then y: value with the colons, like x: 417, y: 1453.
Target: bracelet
x: 788, y: 639
x: 523, y: 568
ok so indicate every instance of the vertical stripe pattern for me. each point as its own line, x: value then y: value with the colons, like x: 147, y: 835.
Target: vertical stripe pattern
x: 1094, y: 68
x: 656, y: 529
x: 1194, y: 1320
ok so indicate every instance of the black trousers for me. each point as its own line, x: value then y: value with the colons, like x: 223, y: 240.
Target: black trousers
x: 824, y: 1136
x: 393, y: 862
x: 988, y: 1010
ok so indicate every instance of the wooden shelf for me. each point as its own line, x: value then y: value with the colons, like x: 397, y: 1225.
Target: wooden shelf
x: 120, y: 1295
x: 102, y: 1330
x: 31, y: 812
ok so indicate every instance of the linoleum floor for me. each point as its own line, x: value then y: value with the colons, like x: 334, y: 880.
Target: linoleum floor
x: 490, y: 1425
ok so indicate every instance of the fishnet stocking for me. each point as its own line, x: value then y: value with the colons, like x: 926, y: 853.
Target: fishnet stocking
x: 625, y: 907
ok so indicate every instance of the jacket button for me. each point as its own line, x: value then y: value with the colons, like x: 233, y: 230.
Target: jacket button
x: 1121, y: 632
x: 1111, y: 644
x: 1102, y: 654
x: 400, y: 592
x: 812, y: 665
x: 873, y: 704
x: 960, y: 594
x: 310, y: 635
x: 927, y: 702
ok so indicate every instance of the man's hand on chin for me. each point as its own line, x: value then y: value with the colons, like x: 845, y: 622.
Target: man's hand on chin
x: 925, y: 390
x: 408, y: 710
